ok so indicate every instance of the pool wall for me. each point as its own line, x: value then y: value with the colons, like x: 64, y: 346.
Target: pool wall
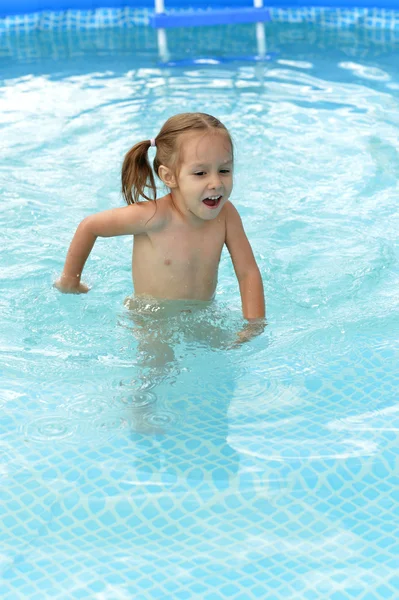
x: 23, y: 16
x: 12, y: 7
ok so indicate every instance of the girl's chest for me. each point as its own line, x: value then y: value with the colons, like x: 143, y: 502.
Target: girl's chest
x: 196, y: 249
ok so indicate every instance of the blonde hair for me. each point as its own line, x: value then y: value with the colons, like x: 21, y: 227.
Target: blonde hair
x: 137, y: 173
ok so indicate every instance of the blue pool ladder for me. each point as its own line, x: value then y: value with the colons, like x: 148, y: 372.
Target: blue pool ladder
x: 200, y: 17
x: 163, y: 19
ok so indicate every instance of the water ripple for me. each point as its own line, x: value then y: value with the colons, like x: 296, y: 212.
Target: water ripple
x: 163, y: 419
x: 138, y: 400
x: 51, y: 428
x: 110, y: 424
x: 87, y: 407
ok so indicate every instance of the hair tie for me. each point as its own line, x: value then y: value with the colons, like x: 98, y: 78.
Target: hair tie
x: 153, y: 144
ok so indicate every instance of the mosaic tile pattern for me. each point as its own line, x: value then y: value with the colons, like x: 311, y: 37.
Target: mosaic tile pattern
x: 370, y: 18
x: 75, y: 19
x: 58, y: 43
x: 288, y: 488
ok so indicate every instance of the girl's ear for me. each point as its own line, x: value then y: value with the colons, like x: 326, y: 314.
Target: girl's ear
x: 167, y: 176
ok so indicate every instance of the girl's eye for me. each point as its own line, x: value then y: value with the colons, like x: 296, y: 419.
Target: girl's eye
x: 200, y: 173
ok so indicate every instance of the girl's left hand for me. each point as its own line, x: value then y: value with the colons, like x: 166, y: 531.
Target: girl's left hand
x: 251, y: 330
x: 65, y: 288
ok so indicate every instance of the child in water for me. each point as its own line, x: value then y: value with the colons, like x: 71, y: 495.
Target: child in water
x: 178, y: 239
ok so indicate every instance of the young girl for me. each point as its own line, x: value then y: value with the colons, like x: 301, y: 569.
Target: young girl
x: 178, y: 239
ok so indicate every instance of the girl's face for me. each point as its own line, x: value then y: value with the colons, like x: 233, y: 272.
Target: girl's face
x: 205, y: 178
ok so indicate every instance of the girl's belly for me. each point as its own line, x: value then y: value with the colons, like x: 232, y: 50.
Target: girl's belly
x: 175, y: 283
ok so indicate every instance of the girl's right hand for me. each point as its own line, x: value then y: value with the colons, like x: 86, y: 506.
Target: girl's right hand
x: 71, y: 288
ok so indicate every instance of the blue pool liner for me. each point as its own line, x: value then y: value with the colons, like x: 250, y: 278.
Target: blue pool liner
x: 23, y: 16
x: 245, y: 7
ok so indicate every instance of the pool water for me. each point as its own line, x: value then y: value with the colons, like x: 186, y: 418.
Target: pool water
x: 146, y: 458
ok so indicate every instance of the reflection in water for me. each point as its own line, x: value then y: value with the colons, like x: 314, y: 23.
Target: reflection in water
x: 234, y: 40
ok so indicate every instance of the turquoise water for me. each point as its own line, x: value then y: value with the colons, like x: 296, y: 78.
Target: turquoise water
x: 143, y: 458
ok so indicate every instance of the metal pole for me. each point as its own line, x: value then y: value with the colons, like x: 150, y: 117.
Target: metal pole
x: 160, y: 6
x: 261, y: 39
x: 161, y: 33
x: 260, y: 32
x: 163, y: 45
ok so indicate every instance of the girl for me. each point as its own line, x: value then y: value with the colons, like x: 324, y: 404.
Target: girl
x: 178, y: 239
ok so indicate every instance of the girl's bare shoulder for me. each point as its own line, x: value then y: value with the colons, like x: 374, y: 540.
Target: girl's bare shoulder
x: 157, y: 212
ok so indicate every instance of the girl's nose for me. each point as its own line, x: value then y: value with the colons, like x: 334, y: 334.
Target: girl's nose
x: 215, y: 182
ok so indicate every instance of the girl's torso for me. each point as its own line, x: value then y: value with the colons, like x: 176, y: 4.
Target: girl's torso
x: 178, y: 261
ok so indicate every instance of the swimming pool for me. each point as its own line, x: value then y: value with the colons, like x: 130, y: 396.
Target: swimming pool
x: 266, y: 471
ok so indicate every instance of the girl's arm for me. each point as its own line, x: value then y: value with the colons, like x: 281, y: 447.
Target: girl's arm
x: 79, y: 250
x: 129, y: 220
x: 248, y: 274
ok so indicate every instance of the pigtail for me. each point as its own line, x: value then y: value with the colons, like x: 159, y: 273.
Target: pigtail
x: 137, y: 174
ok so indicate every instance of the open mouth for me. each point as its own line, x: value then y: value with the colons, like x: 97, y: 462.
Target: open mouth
x: 212, y: 201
